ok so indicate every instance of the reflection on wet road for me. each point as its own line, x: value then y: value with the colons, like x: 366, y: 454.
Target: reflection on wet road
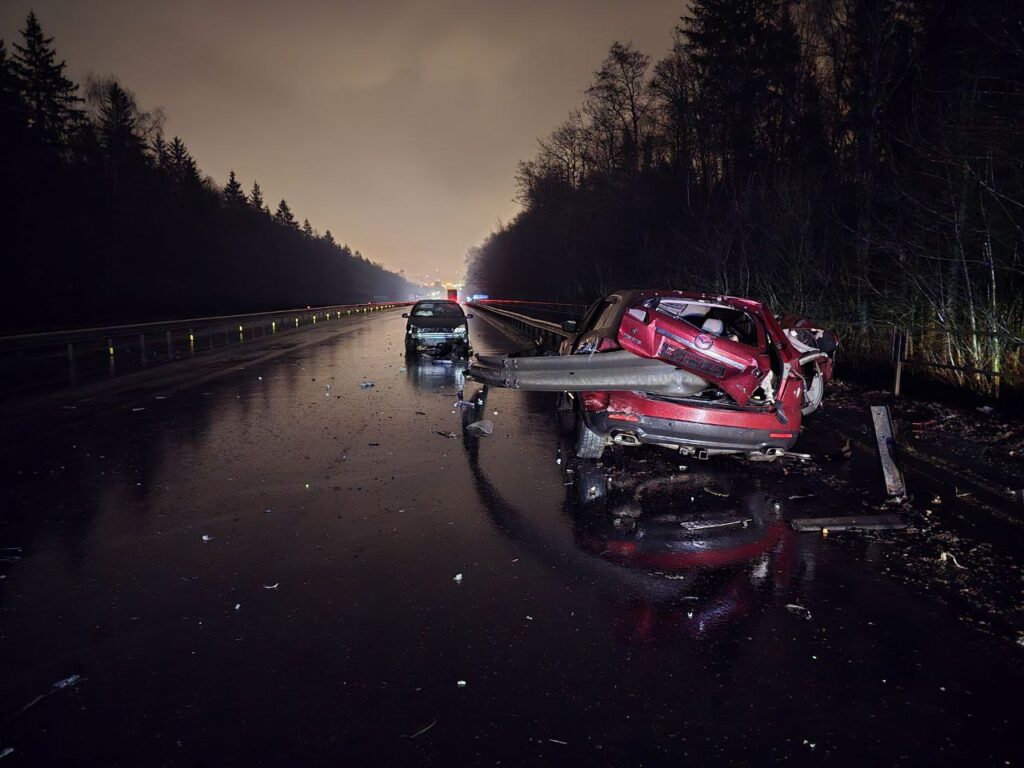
x: 261, y: 569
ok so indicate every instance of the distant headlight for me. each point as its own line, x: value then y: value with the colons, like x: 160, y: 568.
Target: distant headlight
x: 460, y: 331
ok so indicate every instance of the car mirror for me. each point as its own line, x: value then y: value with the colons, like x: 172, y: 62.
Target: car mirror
x: 570, y: 326
x: 469, y: 316
x: 405, y: 314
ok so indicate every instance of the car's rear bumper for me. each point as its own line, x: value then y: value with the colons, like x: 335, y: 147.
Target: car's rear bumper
x: 702, y: 434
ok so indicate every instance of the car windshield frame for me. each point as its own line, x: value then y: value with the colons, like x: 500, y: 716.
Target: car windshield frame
x: 447, y: 309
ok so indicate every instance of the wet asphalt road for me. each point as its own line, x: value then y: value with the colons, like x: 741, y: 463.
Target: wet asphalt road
x: 321, y: 623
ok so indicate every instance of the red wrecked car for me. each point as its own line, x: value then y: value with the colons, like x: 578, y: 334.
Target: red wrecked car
x: 702, y: 373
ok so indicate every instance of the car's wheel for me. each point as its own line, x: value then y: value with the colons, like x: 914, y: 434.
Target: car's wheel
x: 813, y: 393
x: 589, y: 444
x: 410, y: 346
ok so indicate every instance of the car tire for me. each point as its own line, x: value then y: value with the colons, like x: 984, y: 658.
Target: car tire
x: 589, y: 444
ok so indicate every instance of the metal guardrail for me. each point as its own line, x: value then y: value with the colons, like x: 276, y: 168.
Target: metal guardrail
x: 549, y: 332
x: 32, y: 361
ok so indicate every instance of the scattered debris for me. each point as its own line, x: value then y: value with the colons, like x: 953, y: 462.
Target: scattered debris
x: 988, y: 410
x: 461, y: 683
x: 847, y: 450
x: 449, y: 435
x: 799, y: 610
x: 238, y: 606
x: 558, y: 741
x: 139, y: 408
x: 275, y: 585
x: 207, y: 537
x: 5, y: 752
x: 425, y: 728
x: 947, y: 556
x: 365, y: 384
x: 457, y: 578
x: 483, y: 427
x: 802, y: 496
x: 715, y: 491
x: 421, y: 413
x: 884, y: 522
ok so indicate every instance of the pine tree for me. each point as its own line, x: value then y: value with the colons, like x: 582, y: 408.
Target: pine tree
x: 307, y: 228
x: 119, y: 123
x: 284, y: 216
x: 329, y: 238
x: 181, y: 164
x: 53, y: 111
x: 233, y: 194
x: 12, y: 111
x: 256, y: 198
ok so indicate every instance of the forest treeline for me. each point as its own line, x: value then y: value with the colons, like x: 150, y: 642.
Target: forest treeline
x: 857, y: 160
x: 104, y: 219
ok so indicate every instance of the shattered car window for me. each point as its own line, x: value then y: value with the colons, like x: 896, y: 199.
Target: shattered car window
x: 437, y: 309
x: 724, y: 322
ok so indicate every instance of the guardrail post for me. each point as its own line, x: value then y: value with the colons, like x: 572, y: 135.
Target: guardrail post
x: 71, y: 363
x: 899, y: 357
x: 170, y: 348
x: 142, y: 348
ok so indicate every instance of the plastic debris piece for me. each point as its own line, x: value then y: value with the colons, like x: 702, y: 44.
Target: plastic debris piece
x: 275, y: 585
x: 207, y: 537
x: 424, y: 729
x: 558, y: 741
x: 238, y: 606
x: 799, y: 610
x: 945, y: 557
x: 483, y: 427
x: 986, y: 409
x: 461, y: 683
x: 449, y: 435
x: 403, y: 369
x: 5, y: 752
x: 140, y: 408
x: 529, y: 617
x: 365, y: 384
x: 67, y: 682
x: 457, y: 578
x: 715, y: 491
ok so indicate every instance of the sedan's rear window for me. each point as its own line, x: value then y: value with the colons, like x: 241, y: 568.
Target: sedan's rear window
x: 437, y: 309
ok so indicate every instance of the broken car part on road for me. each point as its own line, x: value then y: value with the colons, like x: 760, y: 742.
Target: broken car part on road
x: 701, y: 373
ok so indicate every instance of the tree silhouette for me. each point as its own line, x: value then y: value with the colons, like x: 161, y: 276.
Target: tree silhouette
x: 256, y: 199
x: 284, y: 216
x: 233, y: 194
x: 107, y: 222
x: 52, y: 105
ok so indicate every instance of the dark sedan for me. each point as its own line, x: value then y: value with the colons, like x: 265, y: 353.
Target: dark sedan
x: 438, y: 327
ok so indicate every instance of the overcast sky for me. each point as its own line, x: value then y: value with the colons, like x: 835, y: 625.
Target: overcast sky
x: 396, y: 125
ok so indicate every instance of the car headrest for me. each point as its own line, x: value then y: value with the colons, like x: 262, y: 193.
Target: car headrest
x: 713, y: 325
